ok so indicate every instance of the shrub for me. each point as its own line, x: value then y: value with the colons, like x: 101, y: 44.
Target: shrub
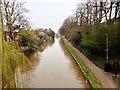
x: 28, y: 40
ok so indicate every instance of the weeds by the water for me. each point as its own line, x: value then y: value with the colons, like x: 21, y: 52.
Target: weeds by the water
x: 11, y: 60
x: 92, y: 80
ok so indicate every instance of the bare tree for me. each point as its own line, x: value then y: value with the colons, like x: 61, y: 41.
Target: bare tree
x: 23, y: 22
x: 117, y: 8
x: 12, y: 10
x: 80, y: 12
x: 93, y: 12
x: 111, y: 8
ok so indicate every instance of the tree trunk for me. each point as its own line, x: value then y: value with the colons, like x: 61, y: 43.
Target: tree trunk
x: 110, y: 10
x: 116, y: 9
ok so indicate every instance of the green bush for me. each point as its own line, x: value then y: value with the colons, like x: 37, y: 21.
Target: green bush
x: 28, y: 40
x: 95, y: 37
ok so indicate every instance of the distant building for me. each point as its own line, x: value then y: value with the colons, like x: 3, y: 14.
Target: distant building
x: 41, y: 32
x: 15, y: 32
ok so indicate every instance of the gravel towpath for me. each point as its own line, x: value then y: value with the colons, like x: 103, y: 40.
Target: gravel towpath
x: 103, y: 77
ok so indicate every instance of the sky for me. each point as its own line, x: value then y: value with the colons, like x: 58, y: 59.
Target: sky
x: 50, y: 13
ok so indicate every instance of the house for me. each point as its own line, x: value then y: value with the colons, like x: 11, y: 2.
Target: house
x: 14, y: 35
x: 6, y: 34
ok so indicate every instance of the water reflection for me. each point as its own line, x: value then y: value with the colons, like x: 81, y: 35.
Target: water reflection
x: 45, y: 45
x: 35, y: 57
x: 74, y: 66
x: 53, y: 67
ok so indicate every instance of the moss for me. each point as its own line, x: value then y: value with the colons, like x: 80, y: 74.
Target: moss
x: 94, y: 83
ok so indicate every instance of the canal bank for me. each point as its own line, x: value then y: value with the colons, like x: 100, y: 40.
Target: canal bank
x: 53, y: 67
x: 97, y: 77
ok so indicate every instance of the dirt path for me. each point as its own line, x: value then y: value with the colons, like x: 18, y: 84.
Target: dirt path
x: 104, y: 78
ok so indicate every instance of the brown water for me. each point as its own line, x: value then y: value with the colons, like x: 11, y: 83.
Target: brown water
x: 53, y: 67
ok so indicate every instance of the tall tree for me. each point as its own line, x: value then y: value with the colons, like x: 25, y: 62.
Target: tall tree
x: 111, y: 8
x: 12, y: 10
x: 117, y: 8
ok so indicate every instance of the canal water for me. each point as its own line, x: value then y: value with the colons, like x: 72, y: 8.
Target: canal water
x: 53, y: 67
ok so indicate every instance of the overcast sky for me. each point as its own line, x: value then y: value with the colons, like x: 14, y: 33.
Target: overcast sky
x: 50, y: 13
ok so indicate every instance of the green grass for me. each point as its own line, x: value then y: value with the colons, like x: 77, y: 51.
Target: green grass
x: 92, y: 80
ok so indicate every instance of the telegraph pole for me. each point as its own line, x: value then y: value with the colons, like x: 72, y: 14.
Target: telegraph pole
x: 107, y: 50
x: 107, y: 65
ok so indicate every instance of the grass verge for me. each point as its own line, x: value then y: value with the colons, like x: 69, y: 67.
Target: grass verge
x: 92, y: 80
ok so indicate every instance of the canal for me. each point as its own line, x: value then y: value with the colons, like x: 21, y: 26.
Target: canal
x: 53, y: 67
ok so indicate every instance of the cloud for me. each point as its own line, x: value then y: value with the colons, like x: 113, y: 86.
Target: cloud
x: 55, y: 1
x: 50, y: 13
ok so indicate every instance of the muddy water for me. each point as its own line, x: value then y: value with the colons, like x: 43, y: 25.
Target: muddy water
x: 53, y: 67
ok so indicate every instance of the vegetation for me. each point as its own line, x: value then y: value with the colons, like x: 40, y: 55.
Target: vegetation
x: 17, y: 31
x: 92, y: 41
x: 87, y: 28
x: 50, y: 33
x: 31, y: 39
x: 0, y: 54
x: 12, y: 59
x: 13, y: 14
x: 28, y: 40
x: 94, y: 83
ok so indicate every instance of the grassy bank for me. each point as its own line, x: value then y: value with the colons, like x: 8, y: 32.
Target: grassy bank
x: 92, y: 80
